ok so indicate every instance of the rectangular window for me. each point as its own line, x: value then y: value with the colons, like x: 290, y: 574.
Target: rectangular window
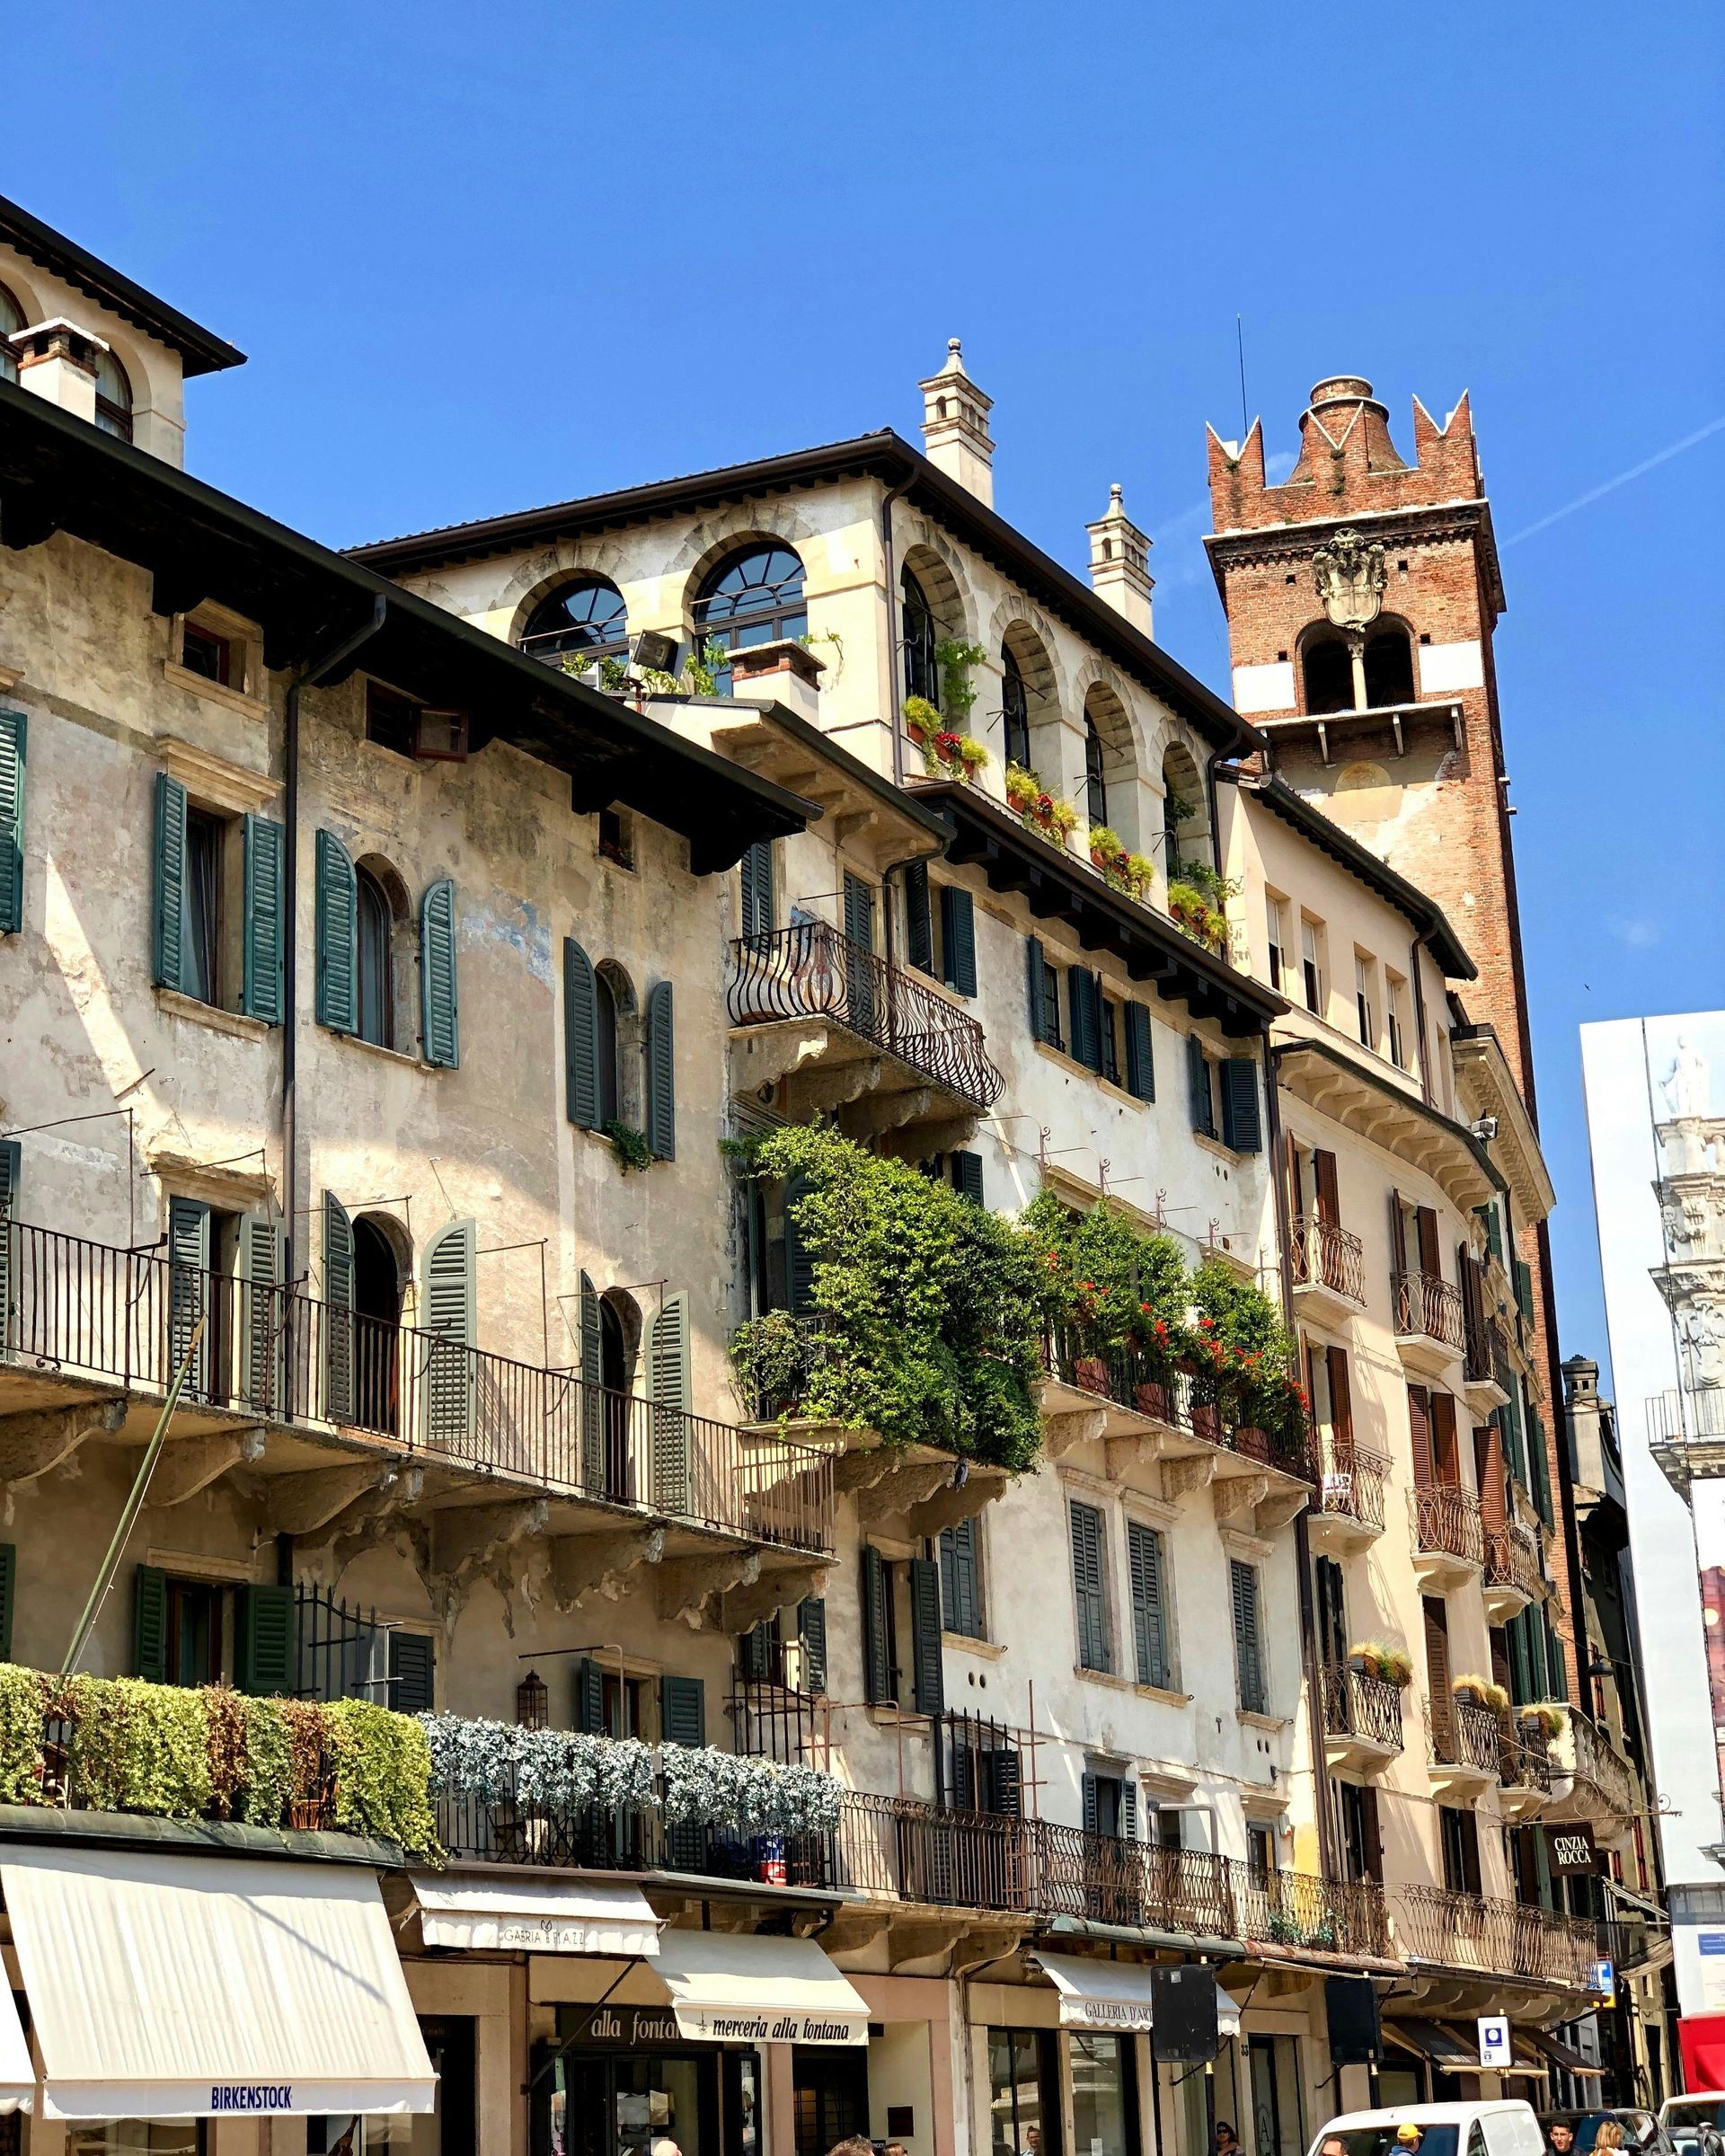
x: 617, y: 838
x: 1168, y: 1826
x: 961, y: 1579
x: 202, y: 952
x: 1395, y: 1013
x: 1146, y: 1556
x: 1108, y: 1025
x: 1089, y: 1587
x: 1461, y: 1841
x: 1110, y: 1806
x: 389, y: 719
x: 1280, y: 955
x: 1248, y: 1637
x: 1202, y: 1087
x: 1261, y: 1853
x: 1051, y: 1031
x: 1366, y: 998
x: 1311, y: 963
x: 204, y: 653
x: 1362, y: 1856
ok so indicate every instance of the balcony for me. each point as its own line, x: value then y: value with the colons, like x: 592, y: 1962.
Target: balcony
x: 1362, y: 1720
x: 100, y: 1332
x: 1448, y: 1535
x: 850, y: 1036
x: 1286, y: 1913
x: 1592, y: 1780
x: 1327, y: 1266
x: 1349, y: 1510
x: 1469, y: 1934
x: 1524, y: 1769
x: 1685, y: 1434
x: 1487, y: 1378
x: 1428, y: 1321
x: 1511, y: 1577
x: 1464, y: 1747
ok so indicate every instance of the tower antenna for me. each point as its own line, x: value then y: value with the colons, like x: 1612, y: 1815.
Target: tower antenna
x: 1240, y: 346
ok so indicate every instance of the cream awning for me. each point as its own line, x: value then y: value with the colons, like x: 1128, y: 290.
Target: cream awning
x: 1115, y: 1995
x: 740, y: 1988
x: 17, y: 2075
x: 169, y: 1986
x: 535, y: 1915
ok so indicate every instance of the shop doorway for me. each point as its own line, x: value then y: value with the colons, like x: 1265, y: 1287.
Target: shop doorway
x: 831, y: 2081
x: 617, y: 2102
x: 1026, y: 2114
x: 1277, y: 2127
x: 453, y: 2128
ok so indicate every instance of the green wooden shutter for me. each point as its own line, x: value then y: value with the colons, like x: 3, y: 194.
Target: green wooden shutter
x: 1488, y: 1212
x: 1198, y: 1078
x: 1149, y: 1633
x: 967, y: 1175
x: 1539, y: 1466
x: 758, y: 890
x: 877, y: 1658
x: 10, y: 1170
x: 1248, y: 1647
x: 929, y: 1675
x: 1140, y: 1054
x: 264, y: 1313
x: 799, y: 1258
x: 1525, y: 1290
x: 450, y: 1314
x: 593, y: 1476
x: 150, y: 1624
x: 1129, y: 1828
x: 580, y: 1037
x: 12, y: 730
x: 753, y: 1651
x: 263, y: 1641
x: 338, y: 1310
x: 412, y: 1672
x: 167, y: 937
x: 669, y: 1375
x: 589, y: 1703
x: 1036, y: 985
x: 1243, y: 1126
x: 188, y: 1291
x: 683, y: 1714
x: 960, y: 1588
x: 439, y: 1020
x: 8, y: 1595
x: 958, y: 939
x: 336, y: 999
x: 1089, y: 1598
x: 858, y: 911
x: 261, y: 986
x: 811, y: 1630
x: 1089, y: 1812
x: 662, y: 1072
x: 919, y: 928
x: 1082, y: 1002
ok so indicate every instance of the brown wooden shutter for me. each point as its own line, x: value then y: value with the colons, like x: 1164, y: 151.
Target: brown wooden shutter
x: 1419, y: 1422
x: 1425, y: 1222
x: 1446, y: 1466
x: 1398, y: 1235
x: 1487, y: 1452
x: 1437, y: 1692
x: 1291, y: 1150
x: 1324, y: 1166
x: 1370, y: 1834
x: 1341, y: 1398
x: 1499, y: 1655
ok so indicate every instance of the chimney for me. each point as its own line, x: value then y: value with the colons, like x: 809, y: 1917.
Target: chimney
x: 955, y: 427
x: 58, y: 361
x: 1119, y: 568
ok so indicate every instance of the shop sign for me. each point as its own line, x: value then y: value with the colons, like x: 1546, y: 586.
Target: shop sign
x: 1494, y: 2040
x: 1126, y: 2014
x: 1571, y: 1850
x: 623, y: 2027
x: 652, y: 2028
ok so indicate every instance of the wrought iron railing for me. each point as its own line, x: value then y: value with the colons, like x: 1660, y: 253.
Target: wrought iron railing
x: 89, y: 1309
x: 1324, y: 1255
x: 1694, y: 1417
x: 812, y: 970
x: 1492, y: 1938
x: 1464, y: 1734
x: 1351, y: 1481
x: 1446, y: 1522
x: 1512, y: 1558
x: 1358, y: 1706
x: 1524, y: 1757
x: 775, y: 1720
x: 1597, y: 1762
x: 1194, y: 1404
x: 1137, y: 1884
x: 1297, y: 1909
x: 1485, y: 1350
x: 1427, y: 1308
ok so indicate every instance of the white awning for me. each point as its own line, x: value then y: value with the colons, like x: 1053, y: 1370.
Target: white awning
x: 169, y: 1986
x: 17, y: 2075
x: 535, y: 1915
x: 1115, y: 1995
x: 740, y: 1988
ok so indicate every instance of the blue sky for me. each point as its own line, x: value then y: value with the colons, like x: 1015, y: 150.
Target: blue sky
x: 487, y: 257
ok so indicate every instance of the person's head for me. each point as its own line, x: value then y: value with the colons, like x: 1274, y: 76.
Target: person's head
x: 662, y: 2144
x: 1610, y: 2134
x: 894, y: 2148
x: 1225, y: 2136
x: 1408, y: 2137
x: 1033, y: 2139
x: 1334, y: 2146
x: 1562, y: 2137
x: 853, y: 2145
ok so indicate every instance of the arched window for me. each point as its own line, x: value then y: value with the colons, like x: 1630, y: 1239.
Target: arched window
x: 1329, y: 674
x: 377, y: 1313
x: 1095, y: 778
x: 113, y: 398
x: 605, y: 1000
x: 12, y: 317
x: 922, y: 677
x: 376, y: 986
x: 1389, y: 667
x: 754, y: 597
x: 587, y: 616
x: 618, y: 1047
x: 1016, y: 709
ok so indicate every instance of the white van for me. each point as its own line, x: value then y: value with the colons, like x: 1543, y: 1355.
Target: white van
x: 1503, y: 2127
x: 1693, y: 2122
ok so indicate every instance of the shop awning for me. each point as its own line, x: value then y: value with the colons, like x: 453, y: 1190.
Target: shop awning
x: 1431, y: 2040
x: 538, y: 1916
x: 1115, y: 1995
x: 17, y: 2075
x: 1560, y: 2053
x: 169, y: 1986
x: 731, y: 1987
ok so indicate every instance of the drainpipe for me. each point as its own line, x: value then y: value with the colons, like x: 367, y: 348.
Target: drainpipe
x: 310, y: 676
x: 894, y: 683
x: 1302, y: 1543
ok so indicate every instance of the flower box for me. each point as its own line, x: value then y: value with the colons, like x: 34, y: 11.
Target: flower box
x: 1151, y: 1399
x: 1091, y: 1374
x: 1253, y: 1444
x: 1207, y: 1421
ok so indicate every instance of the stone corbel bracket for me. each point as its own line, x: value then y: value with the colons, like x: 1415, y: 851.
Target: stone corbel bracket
x: 909, y: 1483
x: 1061, y: 1434
x: 193, y: 1463
x: 31, y: 1444
x: 956, y: 1501
x: 480, y: 1542
x: 686, y: 1586
x: 742, y: 1608
x: 598, y: 1567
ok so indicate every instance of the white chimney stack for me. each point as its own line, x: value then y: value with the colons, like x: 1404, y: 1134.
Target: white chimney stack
x: 58, y: 361
x: 1120, y: 564
x: 955, y: 427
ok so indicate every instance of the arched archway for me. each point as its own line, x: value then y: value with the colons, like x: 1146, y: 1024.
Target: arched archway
x: 751, y: 596
x: 378, y: 1273
x: 1111, y: 765
x: 384, y: 953
x: 1326, y: 671
x: 1388, y: 664
x: 618, y: 1016
x: 1185, y: 810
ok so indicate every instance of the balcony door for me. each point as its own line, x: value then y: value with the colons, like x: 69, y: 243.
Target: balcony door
x: 859, y: 936
x: 1333, y: 1611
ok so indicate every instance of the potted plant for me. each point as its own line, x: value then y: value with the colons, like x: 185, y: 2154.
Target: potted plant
x: 1495, y: 1696
x: 1090, y: 1374
x: 922, y: 721
x: 1396, y: 1667
x: 1133, y: 874
x: 1022, y: 786
x: 1106, y: 846
x: 1469, y: 1690
x: 1366, y: 1658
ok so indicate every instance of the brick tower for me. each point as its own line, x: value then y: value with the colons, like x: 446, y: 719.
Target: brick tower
x: 1362, y: 593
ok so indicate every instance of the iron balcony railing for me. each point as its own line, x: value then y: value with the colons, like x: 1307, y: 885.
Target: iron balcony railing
x: 1427, y: 1308
x: 1446, y: 1522
x: 1351, y: 1481
x: 1469, y: 1932
x: 1485, y: 1350
x: 1694, y: 1418
x: 1195, y: 1404
x: 1366, y: 1708
x: 1325, y: 1255
x: 89, y: 1309
x: 1598, y: 1762
x: 1297, y: 1909
x: 811, y: 970
x: 1512, y: 1558
x: 1464, y: 1734
x: 1524, y: 1757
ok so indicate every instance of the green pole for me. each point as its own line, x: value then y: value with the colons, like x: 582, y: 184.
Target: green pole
x: 134, y: 1504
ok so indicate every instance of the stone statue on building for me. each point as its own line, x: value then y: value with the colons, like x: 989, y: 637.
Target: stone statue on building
x: 1685, y: 1084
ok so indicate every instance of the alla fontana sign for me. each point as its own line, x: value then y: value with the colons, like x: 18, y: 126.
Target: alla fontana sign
x: 647, y: 2028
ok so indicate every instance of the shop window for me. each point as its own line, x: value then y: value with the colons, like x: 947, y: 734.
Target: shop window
x: 1024, y: 2104
x: 830, y: 2090
x: 1277, y: 2121
x: 137, y: 2137
x: 1104, y: 2093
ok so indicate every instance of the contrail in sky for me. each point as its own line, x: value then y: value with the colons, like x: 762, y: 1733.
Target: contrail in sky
x: 1622, y: 480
